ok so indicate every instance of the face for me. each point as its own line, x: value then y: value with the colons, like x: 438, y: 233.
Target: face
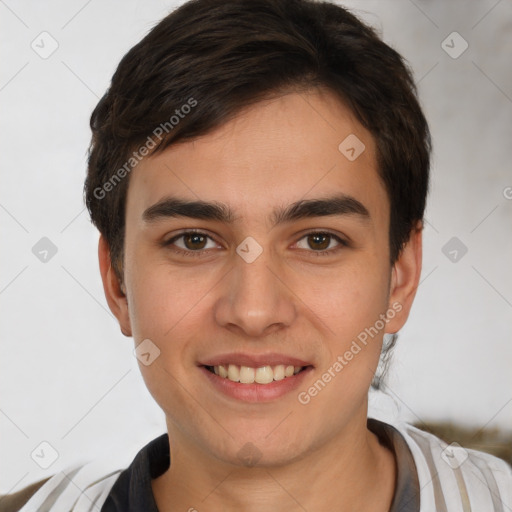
x: 257, y: 288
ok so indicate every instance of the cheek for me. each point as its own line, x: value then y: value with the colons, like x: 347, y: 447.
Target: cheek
x: 162, y: 297
x: 350, y: 303
x: 348, y: 299
x: 165, y: 308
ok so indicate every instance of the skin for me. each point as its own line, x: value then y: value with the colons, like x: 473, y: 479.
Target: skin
x: 289, y: 300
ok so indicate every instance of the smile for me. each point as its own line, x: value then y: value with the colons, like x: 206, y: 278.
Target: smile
x: 254, y: 378
x: 248, y: 375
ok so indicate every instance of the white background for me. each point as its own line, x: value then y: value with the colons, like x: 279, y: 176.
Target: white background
x: 69, y: 377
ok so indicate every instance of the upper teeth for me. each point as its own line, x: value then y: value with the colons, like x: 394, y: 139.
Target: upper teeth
x: 261, y: 375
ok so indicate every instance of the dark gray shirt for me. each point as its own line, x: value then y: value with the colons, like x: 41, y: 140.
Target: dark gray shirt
x: 132, y: 491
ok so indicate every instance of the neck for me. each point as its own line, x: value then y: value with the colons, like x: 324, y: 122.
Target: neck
x: 351, y: 472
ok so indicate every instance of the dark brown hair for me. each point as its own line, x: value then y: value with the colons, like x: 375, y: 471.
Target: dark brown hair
x: 208, y: 59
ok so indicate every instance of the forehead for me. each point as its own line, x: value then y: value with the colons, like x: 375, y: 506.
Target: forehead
x: 297, y: 146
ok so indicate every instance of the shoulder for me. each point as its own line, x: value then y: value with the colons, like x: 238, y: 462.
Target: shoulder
x: 15, y: 501
x: 90, y: 486
x: 453, y: 477
x: 82, y: 487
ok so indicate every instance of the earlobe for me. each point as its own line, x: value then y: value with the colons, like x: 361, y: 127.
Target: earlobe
x: 405, y: 276
x: 115, y: 292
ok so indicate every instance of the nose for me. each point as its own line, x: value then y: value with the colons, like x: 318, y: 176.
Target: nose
x: 255, y: 299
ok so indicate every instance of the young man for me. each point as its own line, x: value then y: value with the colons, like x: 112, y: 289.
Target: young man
x: 258, y: 173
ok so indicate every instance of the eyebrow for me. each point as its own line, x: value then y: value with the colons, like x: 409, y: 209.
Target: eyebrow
x: 339, y: 205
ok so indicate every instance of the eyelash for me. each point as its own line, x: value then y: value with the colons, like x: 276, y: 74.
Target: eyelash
x: 200, y: 253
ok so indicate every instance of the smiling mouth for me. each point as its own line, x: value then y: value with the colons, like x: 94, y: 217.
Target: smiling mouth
x: 260, y: 375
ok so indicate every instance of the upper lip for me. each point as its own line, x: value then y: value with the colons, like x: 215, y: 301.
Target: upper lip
x: 254, y: 360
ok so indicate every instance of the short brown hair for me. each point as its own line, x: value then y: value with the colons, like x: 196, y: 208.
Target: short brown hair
x: 219, y: 56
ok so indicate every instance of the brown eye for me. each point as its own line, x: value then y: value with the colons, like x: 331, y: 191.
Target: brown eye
x: 194, y: 241
x: 191, y: 242
x: 319, y: 241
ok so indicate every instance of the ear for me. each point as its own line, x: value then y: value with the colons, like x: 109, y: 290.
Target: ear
x: 116, y: 298
x: 405, y: 276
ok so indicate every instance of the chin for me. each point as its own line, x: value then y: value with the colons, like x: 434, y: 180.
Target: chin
x: 253, y: 452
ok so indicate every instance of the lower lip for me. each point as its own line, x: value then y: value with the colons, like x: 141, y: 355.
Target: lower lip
x: 256, y: 392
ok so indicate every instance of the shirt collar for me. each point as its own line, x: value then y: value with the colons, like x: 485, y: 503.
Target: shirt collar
x: 132, y: 491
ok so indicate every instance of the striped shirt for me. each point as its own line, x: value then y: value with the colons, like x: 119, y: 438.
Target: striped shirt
x: 431, y: 477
